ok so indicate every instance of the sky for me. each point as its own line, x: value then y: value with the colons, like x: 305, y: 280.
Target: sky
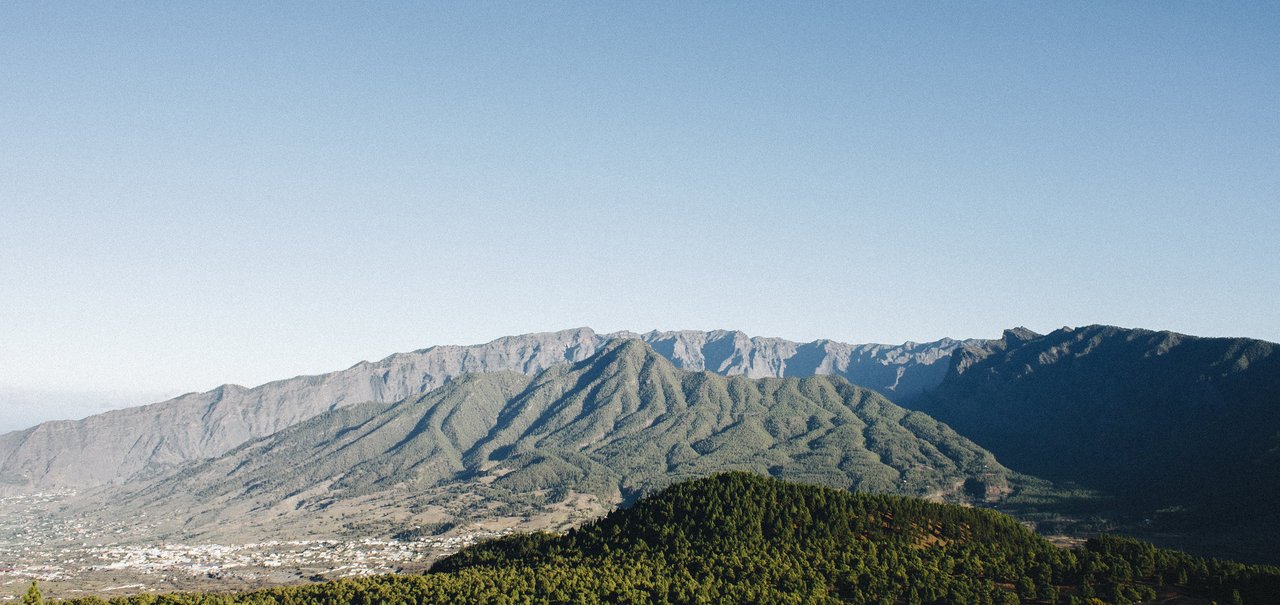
x: 200, y: 193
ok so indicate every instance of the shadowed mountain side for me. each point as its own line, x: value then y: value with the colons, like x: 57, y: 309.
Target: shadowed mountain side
x: 1161, y: 420
x: 147, y: 441
x: 616, y: 425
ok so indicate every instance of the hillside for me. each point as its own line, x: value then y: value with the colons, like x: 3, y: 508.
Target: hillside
x: 739, y: 538
x: 1183, y: 431
x: 621, y: 423
x: 147, y: 441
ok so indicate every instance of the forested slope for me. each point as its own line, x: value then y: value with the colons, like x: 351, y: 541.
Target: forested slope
x: 741, y: 538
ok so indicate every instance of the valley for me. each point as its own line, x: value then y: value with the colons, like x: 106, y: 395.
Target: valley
x: 81, y: 553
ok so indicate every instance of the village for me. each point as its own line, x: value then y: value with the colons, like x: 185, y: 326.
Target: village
x: 70, y: 557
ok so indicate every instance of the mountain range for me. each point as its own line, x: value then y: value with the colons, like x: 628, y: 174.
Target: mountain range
x: 1173, y: 437
x: 147, y: 441
x: 619, y: 424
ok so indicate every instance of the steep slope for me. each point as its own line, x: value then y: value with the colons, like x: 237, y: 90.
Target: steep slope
x: 1161, y: 420
x: 117, y: 446
x: 618, y: 424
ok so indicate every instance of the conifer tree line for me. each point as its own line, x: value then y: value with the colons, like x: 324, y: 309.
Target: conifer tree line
x: 743, y: 538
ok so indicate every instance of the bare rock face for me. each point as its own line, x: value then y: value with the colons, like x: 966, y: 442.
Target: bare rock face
x: 901, y: 372
x: 120, y: 445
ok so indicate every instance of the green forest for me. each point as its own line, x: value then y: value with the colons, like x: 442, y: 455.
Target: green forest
x: 742, y: 538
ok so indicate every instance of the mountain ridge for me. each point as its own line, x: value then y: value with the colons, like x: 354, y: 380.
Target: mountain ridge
x: 112, y: 447
x: 616, y: 425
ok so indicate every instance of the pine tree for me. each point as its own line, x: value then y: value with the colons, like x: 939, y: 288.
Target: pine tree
x: 33, y: 596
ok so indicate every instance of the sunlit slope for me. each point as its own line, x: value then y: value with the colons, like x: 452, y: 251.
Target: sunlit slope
x: 618, y: 424
x: 125, y: 446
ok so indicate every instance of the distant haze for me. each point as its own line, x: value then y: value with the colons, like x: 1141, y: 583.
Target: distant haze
x: 21, y: 408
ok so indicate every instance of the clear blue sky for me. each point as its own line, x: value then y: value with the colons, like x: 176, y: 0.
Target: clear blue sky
x: 197, y: 193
